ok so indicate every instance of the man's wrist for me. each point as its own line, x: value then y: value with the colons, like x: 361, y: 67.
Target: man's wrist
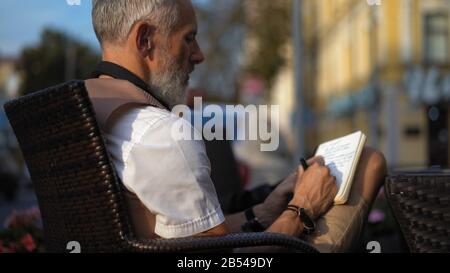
x: 303, y: 202
x: 262, y: 215
x: 294, y: 220
x: 309, y: 226
x: 252, y: 223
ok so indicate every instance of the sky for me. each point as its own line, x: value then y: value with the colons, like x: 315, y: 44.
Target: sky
x: 22, y: 21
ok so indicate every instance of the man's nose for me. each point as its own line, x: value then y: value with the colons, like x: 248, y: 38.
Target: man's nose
x: 197, y: 57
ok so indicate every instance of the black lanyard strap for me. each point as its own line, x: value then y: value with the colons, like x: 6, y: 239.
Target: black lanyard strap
x: 121, y: 73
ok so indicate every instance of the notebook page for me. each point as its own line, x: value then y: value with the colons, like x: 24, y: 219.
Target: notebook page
x: 339, y: 156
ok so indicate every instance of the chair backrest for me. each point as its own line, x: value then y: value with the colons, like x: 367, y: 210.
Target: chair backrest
x: 79, y: 194
x: 76, y: 186
x: 421, y: 205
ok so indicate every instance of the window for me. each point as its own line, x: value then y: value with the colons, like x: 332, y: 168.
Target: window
x: 436, y: 38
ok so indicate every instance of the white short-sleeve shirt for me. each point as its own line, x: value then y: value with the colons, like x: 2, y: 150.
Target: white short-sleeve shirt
x: 171, y: 177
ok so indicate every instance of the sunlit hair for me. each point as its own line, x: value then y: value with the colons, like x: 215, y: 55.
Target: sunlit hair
x: 113, y: 19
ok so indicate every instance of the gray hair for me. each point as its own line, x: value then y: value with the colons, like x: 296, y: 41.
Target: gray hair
x: 113, y: 19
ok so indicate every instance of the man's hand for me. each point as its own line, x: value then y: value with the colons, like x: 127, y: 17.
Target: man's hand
x: 315, y: 190
x: 278, y: 200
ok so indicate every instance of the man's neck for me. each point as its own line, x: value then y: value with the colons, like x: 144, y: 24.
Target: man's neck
x: 127, y: 60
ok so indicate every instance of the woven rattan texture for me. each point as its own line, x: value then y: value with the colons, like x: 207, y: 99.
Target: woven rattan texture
x: 79, y: 195
x: 421, y: 205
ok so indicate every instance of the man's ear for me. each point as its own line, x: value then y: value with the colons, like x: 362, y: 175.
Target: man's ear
x: 145, y: 39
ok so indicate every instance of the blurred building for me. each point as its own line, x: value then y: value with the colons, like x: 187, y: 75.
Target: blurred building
x: 9, y: 87
x: 9, y: 78
x: 383, y: 69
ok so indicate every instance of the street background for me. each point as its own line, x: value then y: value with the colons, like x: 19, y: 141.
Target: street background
x: 333, y: 66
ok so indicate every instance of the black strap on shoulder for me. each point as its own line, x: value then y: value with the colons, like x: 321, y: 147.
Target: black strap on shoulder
x: 121, y: 73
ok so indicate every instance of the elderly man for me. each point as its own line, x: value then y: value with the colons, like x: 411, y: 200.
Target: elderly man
x: 149, y: 50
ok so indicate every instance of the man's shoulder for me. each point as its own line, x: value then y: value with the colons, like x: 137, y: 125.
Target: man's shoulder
x: 150, y: 122
x: 148, y: 113
x: 145, y: 117
x: 160, y: 118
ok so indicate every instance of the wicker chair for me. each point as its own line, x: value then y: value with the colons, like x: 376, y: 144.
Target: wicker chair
x: 79, y: 195
x: 421, y: 205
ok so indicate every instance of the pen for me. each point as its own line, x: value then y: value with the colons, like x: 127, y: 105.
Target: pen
x: 304, y: 164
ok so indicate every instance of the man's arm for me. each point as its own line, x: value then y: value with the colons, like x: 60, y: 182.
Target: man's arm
x: 234, y: 222
x: 274, y: 205
x: 219, y: 230
x: 314, y: 190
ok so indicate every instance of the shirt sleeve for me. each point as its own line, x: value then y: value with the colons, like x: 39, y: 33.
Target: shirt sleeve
x: 172, y: 179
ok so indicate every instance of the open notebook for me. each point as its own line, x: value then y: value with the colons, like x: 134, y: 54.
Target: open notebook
x: 341, y: 156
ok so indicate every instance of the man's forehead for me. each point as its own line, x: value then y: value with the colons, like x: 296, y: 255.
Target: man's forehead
x: 187, y: 15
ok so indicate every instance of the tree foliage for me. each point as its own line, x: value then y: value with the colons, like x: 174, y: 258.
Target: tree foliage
x: 55, y: 59
x: 269, y: 28
x: 221, y: 28
x: 226, y: 30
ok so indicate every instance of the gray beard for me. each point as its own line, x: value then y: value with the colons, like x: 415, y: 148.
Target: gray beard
x: 168, y: 83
